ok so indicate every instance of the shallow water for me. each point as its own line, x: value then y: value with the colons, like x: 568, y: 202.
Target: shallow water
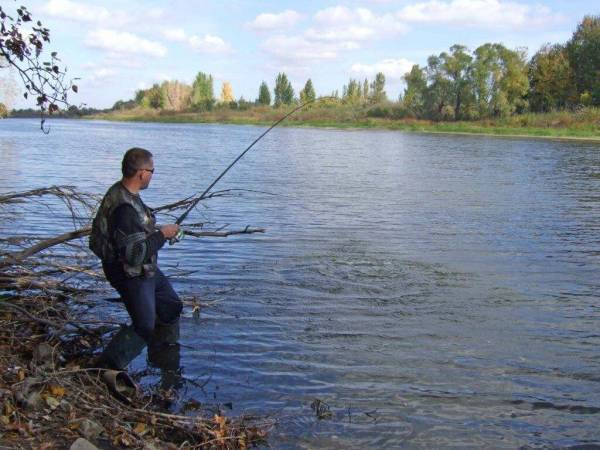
x: 435, y: 291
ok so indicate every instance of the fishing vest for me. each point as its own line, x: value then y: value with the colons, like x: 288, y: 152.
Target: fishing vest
x: 103, y: 244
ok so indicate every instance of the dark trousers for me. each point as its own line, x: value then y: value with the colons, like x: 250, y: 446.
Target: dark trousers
x: 149, y: 299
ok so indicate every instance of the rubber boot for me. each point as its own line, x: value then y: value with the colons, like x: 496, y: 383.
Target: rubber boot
x: 125, y: 345
x: 167, y: 333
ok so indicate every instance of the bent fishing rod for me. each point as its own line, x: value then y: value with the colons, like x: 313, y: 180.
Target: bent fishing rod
x: 193, y: 204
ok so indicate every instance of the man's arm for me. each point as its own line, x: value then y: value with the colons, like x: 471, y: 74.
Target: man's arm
x: 133, y: 246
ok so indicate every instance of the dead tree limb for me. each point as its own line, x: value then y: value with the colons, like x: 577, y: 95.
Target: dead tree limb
x: 246, y: 230
x: 16, y: 257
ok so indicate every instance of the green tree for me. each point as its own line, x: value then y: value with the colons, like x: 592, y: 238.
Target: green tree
x: 284, y: 93
x: 551, y: 84
x: 352, y: 93
x: 365, y: 90
x: 139, y: 96
x: 203, y: 96
x: 155, y: 97
x: 584, y: 55
x: 264, y: 95
x: 514, y: 84
x: 378, y: 89
x: 438, y: 99
x: 308, y: 93
x: 457, y: 67
x: 415, y: 92
x: 3, y: 111
x: 499, y: 80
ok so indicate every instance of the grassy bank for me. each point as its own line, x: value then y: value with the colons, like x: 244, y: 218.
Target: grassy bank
x: 583, y: 124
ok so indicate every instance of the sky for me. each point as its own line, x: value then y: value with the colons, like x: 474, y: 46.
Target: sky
x: 118, y: 47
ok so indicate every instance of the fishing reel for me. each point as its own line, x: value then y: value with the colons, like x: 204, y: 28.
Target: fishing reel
x: 177, y: 237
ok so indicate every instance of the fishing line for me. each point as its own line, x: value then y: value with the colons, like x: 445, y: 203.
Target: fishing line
x: 207, y: 190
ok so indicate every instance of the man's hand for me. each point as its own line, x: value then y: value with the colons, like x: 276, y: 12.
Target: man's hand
x: 169, y: 231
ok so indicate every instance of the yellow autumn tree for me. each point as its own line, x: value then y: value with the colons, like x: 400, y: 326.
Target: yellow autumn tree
x: 226, y: 93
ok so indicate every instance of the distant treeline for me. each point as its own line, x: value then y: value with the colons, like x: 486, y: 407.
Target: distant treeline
x: 490, y: 82
x: 71, y: 112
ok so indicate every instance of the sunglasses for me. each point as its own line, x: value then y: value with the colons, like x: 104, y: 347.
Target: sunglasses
x: 148, y: 170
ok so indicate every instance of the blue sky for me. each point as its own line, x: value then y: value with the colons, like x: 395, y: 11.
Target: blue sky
x: 116, y: 47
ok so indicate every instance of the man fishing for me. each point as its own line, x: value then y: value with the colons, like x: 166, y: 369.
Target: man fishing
x: 125, y: 237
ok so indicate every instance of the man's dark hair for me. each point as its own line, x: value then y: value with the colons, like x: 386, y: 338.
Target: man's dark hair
x: 133, y: 161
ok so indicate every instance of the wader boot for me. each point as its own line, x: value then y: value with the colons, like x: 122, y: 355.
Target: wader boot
x: 164, y: 354
x: 164, y: 350
x: 125, y: 345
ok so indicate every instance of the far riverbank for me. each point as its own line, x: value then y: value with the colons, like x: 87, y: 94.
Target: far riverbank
x: 580, y: 125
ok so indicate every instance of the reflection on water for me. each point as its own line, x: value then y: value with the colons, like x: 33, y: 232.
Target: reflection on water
x: 432, y: 291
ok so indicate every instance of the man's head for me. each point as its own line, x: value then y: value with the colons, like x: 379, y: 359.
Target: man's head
x: 138, y: 167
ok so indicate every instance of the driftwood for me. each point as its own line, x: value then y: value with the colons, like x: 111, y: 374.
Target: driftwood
x: 31, y: 263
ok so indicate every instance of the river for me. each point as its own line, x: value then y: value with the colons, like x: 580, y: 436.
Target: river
x: 434, y: 291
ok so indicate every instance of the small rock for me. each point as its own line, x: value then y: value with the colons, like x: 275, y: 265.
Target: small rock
x: 90, y: 429
x: 82, y: 444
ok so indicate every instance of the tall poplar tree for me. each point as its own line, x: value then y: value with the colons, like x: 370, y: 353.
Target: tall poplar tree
x: 264, y: 95
x: 308, y: 93
x: 284, y: 93
x: 202, y: 91
x: 378, y: 89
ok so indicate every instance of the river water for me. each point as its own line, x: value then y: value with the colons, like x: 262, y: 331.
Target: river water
x: 433, y: 291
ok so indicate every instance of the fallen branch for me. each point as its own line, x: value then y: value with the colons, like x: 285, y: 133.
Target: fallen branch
x: 246, y: 230
x: 16, y: 257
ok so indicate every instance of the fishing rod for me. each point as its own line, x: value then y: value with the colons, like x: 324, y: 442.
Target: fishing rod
x: 192, y: 205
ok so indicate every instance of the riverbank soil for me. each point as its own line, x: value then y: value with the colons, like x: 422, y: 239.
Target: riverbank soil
x: 52, y: 397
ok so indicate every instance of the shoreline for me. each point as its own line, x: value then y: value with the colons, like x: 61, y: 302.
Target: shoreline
x: 444, y: 128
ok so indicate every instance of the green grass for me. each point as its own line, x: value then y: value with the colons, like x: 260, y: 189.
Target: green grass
x: 583, y: 124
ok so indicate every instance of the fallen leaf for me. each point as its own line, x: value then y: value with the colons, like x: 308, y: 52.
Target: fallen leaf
x: 21, y: 374
x: 140, y: 428
x: 56, y: 391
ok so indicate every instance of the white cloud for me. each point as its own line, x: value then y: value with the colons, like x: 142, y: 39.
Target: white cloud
x: 349, y: 28
x: 121, y: 42
x: 67, y: 9
x: 209, y: 44
x: 297, y: 48
x: 174, y: 34
x: 270, y: 21
x: 482, y: 13
x: 335, y: 30
x: 87, y: 13
x: 340, y: 23
x: 205, y: 44
x: 393, y: 69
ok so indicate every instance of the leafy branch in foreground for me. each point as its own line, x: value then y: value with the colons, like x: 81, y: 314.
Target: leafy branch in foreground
x: 42, y: 77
